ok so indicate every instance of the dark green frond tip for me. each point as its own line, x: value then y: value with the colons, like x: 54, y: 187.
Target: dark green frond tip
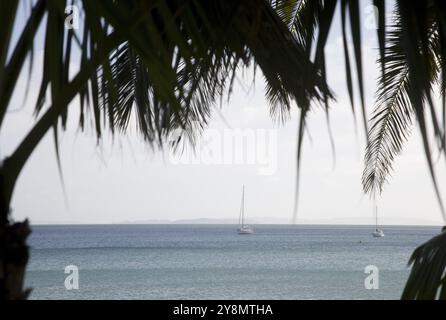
x: 427, y: 280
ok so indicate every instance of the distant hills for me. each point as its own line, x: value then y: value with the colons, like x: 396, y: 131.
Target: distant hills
x: 272, y: 220
x: 264, y: 220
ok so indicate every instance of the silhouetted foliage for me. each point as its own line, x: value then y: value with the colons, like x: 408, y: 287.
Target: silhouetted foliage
x: 165, y: 64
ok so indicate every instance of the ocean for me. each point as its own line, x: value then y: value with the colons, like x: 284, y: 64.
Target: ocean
x: 214, y: 262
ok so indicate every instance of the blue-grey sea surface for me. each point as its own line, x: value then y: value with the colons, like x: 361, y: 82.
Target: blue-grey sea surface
x: 214, y: 262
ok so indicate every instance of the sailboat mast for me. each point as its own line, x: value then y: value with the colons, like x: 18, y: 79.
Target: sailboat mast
x: 376, y: 216
x: 244, y: 211
x: 243, y: 206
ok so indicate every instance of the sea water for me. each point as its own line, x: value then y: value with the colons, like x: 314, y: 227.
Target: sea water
x: 214, y: 262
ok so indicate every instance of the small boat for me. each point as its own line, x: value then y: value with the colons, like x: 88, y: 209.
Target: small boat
x: 378, y: 233
x: 243, y: 228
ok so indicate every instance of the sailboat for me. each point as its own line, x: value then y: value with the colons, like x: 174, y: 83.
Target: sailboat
x: 378, y: 233
x: 243, y: 228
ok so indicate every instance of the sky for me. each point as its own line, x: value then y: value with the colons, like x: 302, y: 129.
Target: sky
x: 124, y: 180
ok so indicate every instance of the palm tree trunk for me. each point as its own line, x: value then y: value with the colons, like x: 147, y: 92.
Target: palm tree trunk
x: 13, y: 249
x: 14, y: 252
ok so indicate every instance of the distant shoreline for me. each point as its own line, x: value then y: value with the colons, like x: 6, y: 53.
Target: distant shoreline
x: 347, y: 221
x: 235, y: 224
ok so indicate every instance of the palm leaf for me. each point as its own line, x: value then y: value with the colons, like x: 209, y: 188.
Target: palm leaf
x: 169, y: 64
x: 427, y: 279
x: 395, y: 112
x: 232, y: 35
x: 10, y: 69
x: 392, y: 118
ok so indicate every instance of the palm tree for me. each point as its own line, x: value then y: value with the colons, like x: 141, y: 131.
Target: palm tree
x: 167, y: 62
x: 412, y: 56
x: 163, y: 62
x: 413, y: 60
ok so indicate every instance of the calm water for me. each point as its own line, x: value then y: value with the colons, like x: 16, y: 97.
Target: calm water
x: 213, y: 262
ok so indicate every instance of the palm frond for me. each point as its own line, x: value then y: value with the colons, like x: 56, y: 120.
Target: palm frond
x: 392, y: 118
x: 404, y: 88
x: 10, y: 68
x: 427, y: 279
x: 230, y: 35
x: 170, y: 62
x: 416, y: 23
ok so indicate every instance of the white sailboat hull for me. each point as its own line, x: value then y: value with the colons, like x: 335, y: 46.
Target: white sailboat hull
x: 245, y: 230
x: 378, y: 233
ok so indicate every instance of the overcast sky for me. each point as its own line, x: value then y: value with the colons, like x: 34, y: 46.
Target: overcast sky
x: 124, y: 180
